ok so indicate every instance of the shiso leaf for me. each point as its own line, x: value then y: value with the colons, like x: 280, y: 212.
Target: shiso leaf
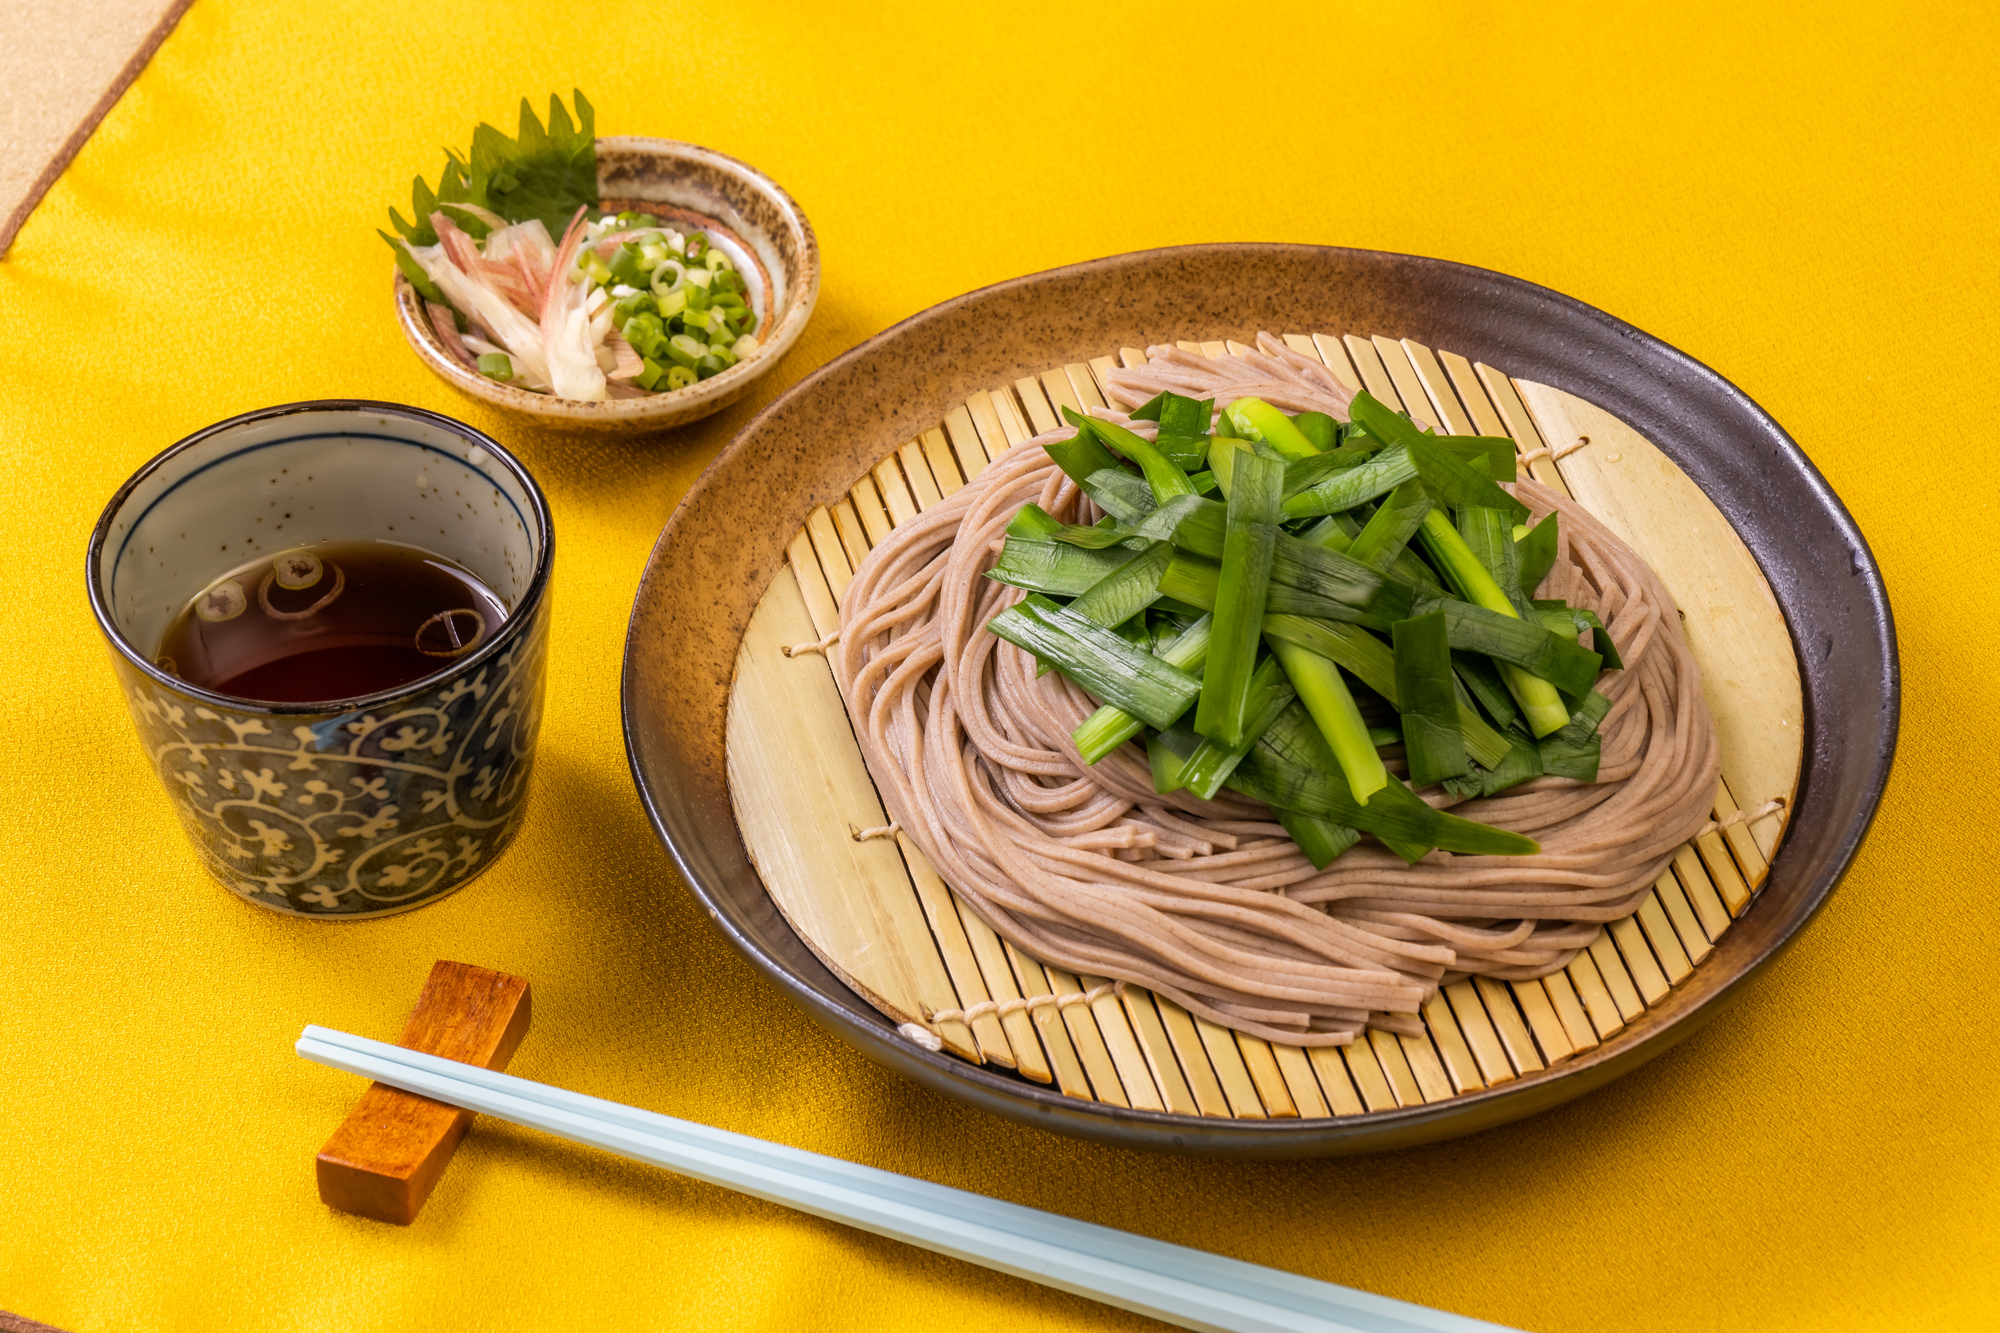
x: 541, y: 173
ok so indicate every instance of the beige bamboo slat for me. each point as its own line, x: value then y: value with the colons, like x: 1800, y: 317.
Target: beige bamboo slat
x: 1083, y: 385
x: 1334, y: 353
x: 1452, y: 1049
x: 1485, y: 421
x: 1123, y: 1044
x: 1368, y: 365
x: 965, y: 443
x: 1480, y: 1035
x: 1300, y: 1081
x: 1203, y: 1082
x: 1005, y: 416
x: 1100, y: 366
x: 1013, y: 418
x: 1506, y: 1016
x: 826, y: 546
x: 853, y: 540
x: 1652, y: 919
x: 1230, y: 1072
x: 867, y: 501
x: 941, y: 911
x: 1514, y: 413
x: 1701, y: 892
x: 1088, y: 1040
x: 1396, y: 1067
x: 1687, y: 927
x: 1036, y: 405
x: 1742, y: 845
x: 986, y: 424
x: 1159, y: 1052
x: 819, y: 601
x: 1033, y: 981
x: 1334, y: 1080
x: 1213, y: 349
x: 1618, y: 977
x: 918, y: 472
x: 1723, y: 873
x: 896, y: 497
x: 1543, y: 1025
x: 1570, y: 1011
x: 1596, y: 997
x: 1266, y: 1077
x: 1639, y: 960
x: 998, y: 975
x: 1193, y: 348
x: 944, y: 468
x: 790, y: 750
x: 1699, y: 885
x: 1432, y: 1082
x: 1369, y: 1079
x: 1402, y: 374
x: 1438, y: 389
x: 1131, y: 357
x: 1733, y: 624
x: 1055, y: 383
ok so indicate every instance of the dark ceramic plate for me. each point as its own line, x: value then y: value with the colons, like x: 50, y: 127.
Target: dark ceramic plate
x: 724, y: 544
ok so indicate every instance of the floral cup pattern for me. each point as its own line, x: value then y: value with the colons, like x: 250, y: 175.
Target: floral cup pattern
x: 358, y: 813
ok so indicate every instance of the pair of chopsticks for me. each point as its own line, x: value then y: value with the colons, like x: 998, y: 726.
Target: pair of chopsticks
x: 1190, y: 1288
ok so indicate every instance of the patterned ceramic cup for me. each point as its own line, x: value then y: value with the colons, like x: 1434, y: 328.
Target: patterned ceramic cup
x: 356, y: 807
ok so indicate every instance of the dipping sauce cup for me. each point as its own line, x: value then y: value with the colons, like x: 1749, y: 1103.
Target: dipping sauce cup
x: 345, y: 808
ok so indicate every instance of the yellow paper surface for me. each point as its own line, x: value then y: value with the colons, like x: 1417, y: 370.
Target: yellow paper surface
x: 1802, y: 199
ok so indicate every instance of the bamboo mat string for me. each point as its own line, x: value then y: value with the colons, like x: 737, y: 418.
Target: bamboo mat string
x: 930, y: 1041
x: 1771, y: 807
x: 820, y: 646
x: 1554, y: 454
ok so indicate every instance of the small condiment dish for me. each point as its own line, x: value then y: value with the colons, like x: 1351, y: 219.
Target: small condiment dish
x: 690, y: 187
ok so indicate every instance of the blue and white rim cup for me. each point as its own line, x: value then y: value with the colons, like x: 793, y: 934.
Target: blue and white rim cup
x: 355, y: 807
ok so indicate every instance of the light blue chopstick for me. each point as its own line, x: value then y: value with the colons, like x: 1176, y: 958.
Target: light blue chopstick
x: 1190, y: 1288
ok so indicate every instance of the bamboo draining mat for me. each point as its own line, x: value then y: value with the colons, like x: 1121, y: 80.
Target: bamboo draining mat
x: 878, y: 915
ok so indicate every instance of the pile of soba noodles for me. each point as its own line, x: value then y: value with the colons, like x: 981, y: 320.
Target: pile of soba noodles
x: 1208, y: 902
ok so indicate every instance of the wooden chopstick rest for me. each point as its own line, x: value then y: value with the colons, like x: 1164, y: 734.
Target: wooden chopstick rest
x: 387, y: 1154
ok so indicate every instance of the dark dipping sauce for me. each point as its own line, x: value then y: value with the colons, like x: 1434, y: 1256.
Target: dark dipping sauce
x: 331, y: 621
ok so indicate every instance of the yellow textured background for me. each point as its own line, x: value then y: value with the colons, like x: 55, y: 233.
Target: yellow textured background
x: 1803, y: 199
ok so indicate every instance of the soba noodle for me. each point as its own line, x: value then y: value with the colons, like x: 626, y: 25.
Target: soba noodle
x: 1209, y: 903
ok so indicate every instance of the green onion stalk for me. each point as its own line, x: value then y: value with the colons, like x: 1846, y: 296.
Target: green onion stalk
x: 1332, y: 708
x: 1540, y: 703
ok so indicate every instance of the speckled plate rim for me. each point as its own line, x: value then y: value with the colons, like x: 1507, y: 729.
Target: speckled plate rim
x: 1739, y: 456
